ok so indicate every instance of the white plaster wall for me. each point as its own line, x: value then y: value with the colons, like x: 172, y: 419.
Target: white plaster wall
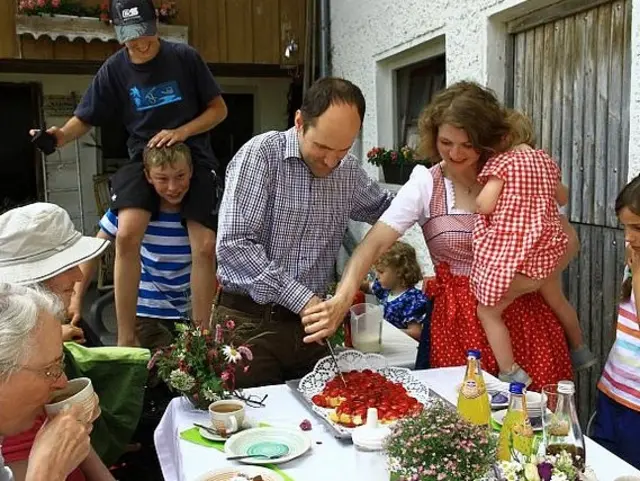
x: 370, y: 39
x: 270, y: 113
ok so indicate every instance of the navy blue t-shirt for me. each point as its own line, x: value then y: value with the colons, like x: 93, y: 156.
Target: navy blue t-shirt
x: 170, y: 90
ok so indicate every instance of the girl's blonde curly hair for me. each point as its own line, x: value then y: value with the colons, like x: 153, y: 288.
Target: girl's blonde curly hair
x: 401, y: 257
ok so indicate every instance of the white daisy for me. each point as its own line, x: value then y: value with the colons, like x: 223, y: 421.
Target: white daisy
x: 232, y: 354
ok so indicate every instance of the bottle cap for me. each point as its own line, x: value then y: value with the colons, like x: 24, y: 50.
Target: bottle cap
x: 372, y: 435
x: 566, y: 387
x: 474, y: 353
x: 516, y: 388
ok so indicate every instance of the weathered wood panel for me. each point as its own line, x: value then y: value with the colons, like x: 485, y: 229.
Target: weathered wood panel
x: 592, y: 283
x: 572, y: 76
x: 8, y: 40
x: 239, y: 31
x: 266, y: 22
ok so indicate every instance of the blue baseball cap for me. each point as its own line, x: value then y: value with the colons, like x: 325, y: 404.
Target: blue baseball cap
x: 133, y: 19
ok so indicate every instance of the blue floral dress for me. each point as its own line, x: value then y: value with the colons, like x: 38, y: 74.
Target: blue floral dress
x: 410, y: 306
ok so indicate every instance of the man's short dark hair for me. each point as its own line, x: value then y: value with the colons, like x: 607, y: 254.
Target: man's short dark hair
x: 326, y: 92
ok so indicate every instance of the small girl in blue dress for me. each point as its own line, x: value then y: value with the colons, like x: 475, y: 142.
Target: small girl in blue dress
x: 405, y: 306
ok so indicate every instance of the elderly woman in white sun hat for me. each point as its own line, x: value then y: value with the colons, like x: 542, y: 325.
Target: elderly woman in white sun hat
x: 31, y: 368
x: 40, y: 245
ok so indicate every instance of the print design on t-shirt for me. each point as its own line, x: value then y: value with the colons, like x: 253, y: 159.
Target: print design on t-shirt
x: 146, y: 98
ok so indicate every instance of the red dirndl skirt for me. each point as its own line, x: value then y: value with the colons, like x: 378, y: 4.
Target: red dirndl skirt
x: 538, y: 340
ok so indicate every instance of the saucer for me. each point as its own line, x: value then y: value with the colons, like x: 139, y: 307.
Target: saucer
x: 286, y: 442
x: 247, y: 424
x: 498, y: 417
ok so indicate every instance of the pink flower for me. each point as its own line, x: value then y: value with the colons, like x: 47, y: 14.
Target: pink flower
x: 22, y: 6
x: 230, y: 324
x: 55, y: 3
x: 154, y: 358
x: 225, y: 376
x: 42, y: 3
x: 219, y: 334
x: 31, y: 4
x: 246, y: 352
x: 246, y: 369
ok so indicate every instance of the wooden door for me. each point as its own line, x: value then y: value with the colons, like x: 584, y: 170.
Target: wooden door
x: 572, y: 76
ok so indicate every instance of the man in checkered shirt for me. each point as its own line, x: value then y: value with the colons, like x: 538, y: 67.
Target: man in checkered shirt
x: 288, y: 199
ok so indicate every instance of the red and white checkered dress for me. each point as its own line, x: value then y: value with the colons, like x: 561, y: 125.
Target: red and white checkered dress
x: 524, y: 234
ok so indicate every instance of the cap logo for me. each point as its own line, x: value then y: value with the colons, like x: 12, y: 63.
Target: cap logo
x: 130, y: 12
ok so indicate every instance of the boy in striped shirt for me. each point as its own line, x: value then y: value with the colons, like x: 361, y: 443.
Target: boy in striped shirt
x: 165, y: 256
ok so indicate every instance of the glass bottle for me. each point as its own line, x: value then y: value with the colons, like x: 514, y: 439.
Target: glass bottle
x: 562, y: 430
x: 473, y: 399
x: 516, y: 435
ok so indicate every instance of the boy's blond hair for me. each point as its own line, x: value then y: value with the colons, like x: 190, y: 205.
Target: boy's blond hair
x: 401, y: 257
x: 163, y: 156
x: 520, y: 129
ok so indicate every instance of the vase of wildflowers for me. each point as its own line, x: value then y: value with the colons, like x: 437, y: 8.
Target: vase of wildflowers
x: 438, y: 445
x: 558, y: 467
x: 201, y: 364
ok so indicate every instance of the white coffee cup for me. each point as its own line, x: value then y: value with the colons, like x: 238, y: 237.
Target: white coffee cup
x: 227, y: 415
x: 77, y: 391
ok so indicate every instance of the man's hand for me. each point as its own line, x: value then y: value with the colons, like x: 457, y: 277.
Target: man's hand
x: 321, y: 319
x: 71, y: 332
x: 56, y: 132
x: 166, y: 138
x: 59, y: 447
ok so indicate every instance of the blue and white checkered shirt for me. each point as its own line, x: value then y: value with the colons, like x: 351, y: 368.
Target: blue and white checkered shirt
x: 281, y: 228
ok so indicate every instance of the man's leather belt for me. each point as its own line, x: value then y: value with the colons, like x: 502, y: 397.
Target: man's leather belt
x: 244, y: 303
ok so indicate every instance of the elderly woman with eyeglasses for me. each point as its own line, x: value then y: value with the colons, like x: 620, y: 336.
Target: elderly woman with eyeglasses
x: 31, y: 368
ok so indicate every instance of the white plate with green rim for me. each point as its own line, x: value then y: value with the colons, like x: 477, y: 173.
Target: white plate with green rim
x: 287, y: 443
x: 250, y: 472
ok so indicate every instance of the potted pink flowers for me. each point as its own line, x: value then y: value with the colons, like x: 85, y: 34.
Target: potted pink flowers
x: 438, y: 445
x: 201, y: 364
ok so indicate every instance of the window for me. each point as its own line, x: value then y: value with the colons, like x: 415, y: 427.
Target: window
x: 416, y: 85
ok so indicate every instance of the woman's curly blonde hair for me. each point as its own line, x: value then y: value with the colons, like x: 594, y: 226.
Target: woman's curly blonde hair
x: 470, y: 107
x: 401, y: 257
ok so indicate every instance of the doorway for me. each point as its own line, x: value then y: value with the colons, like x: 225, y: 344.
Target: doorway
x: 21, y: 179
x: 235, y: 130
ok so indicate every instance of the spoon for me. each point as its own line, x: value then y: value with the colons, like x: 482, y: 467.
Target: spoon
x: 265, y: 456
x: 210, y: 430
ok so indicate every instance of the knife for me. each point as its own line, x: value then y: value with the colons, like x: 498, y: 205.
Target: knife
x: 335, y: 361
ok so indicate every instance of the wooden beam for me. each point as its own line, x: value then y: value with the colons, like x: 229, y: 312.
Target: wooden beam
x: 551, y: 13
x: 88, y: 67
x: 8, y: 37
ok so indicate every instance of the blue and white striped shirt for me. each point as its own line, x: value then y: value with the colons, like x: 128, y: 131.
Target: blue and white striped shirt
x: 164, y: 291
x: 281, y: 228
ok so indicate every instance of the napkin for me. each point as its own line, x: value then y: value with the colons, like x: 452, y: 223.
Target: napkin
x: 193, y: 436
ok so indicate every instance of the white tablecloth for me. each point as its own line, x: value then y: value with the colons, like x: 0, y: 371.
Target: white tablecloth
x: 330, y: 460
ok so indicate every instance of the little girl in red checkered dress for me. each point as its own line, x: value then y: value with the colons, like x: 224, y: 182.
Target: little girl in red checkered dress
x: 520, y: 246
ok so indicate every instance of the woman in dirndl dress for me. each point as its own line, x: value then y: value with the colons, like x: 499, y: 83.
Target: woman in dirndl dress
x: 462, y: 127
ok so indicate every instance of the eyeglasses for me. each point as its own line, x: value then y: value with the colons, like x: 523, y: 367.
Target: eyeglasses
x: 251, y: 400
x: 52, y: 372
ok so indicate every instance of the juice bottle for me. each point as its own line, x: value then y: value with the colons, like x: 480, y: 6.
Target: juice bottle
x: 473, y: 400
x: 516, y: 436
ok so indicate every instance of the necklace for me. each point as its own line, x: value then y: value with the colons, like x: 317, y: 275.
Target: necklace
x: 468, y: 188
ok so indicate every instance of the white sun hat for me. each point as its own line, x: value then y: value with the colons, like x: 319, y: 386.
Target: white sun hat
x: 39, y: 241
